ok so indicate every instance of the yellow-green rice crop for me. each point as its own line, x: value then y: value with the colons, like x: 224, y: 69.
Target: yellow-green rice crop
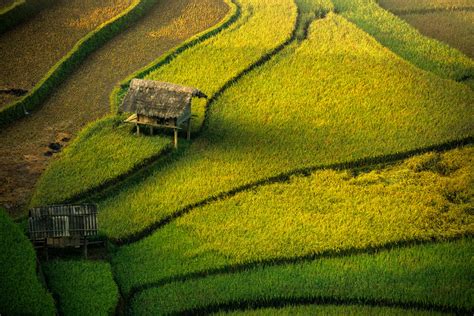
x: 432, y: 275
x: 210, y: 65
x: 394, y: 33
x: 337, y: 97
x: 103, y: 152
x: 205, y: 66
x: 83, y: 287
x: 424, y: 198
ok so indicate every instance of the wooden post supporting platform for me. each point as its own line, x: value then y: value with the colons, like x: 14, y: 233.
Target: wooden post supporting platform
x: 175, y: 138
x: 188, y: 131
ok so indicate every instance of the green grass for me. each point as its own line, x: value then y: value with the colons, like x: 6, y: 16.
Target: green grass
x: 396, y: 34
x: 208, y: 66
x: 426, y: 275
x: 82, y: 287
x: 20, y: 290
x: 329, y: 310
x: 260, y: 127
x: 426, y: 197
x: 104, y: 151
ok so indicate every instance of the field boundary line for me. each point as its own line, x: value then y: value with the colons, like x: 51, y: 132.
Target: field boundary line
x: 68, y: 63
x: 283, y: 177
x: 121, y: 88
x: 261, y: 61
x: 281, y: 261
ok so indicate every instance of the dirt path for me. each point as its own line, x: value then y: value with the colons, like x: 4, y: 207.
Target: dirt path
x: 84, y: 96
x: 31, y: 48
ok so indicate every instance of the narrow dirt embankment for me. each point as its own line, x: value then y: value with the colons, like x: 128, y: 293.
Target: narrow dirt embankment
x: 84, y: 96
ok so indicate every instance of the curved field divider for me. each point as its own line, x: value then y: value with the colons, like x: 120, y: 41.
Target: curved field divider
x: 19, y: 11
x: 432, y: 277
x: 328, y: 212
x: 69, y: 62
x: 339, y: 125
x: 365, y: 164
x: 193, y: 59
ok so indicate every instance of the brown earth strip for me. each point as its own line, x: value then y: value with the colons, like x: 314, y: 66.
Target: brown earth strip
x: 84, y: 96
x: 31, y: 48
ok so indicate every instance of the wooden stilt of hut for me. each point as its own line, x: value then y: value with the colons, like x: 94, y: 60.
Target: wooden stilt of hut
x: 159, y: 104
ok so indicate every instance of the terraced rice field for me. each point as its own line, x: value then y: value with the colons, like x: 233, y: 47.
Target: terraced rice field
x: 449, y: 21
x: 84, y: 97
x: 330, y: 171
x: 234, y: 151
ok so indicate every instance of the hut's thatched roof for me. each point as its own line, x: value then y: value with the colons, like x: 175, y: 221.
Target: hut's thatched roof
x: 158, y: 99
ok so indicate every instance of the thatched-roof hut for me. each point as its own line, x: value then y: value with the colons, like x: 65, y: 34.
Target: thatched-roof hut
x: 159, y: 104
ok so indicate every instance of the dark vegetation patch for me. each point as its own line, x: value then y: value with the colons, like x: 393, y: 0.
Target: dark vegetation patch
x: 20, y: 290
